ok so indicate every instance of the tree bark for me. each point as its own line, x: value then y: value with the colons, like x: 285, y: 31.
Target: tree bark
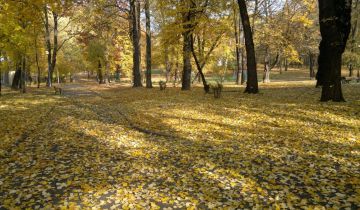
x: 187, y: 18
x: 256, y: 8
x: 266, y: 77
x: 148, y: 45
x: 176, y: 74
x: 243, y: 72
x: 23, y: 75
x: 335, y: 25
x: 312, y: 65
x: 167, y: 64
x: 1, y: 78
x: 237, y: 48
x: 135, y: 25
x: 354, y: 30
x: 187, y: 68
x: 48, y: 46
x: 37, y: 64
x: 252, y: 83
x: 100, y: 75
x: 6, y: 79
x: 16, y: 80
x: 55, y: 50
x: 199, y: 67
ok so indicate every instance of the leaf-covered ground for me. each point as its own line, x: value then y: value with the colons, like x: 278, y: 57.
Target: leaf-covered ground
x: 117, y: 147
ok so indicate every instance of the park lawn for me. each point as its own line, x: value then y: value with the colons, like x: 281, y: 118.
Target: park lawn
x: 117, y: 147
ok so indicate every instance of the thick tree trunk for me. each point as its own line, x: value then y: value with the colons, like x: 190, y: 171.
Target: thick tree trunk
x: 16, y: 83
x: 148, y: 45
x: 335, y: 24
x: 6, y: 79
x: 286, y: 64
x: 135, y: 25
x: 252, y: 83
x: 187, y: 68
x: 187, y: 45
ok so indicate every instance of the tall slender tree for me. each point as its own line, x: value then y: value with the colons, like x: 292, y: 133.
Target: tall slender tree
x: 148, y: 44
x: 135, y: 36
x: 237, y: 47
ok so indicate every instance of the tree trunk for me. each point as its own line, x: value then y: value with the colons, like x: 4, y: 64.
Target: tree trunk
x: 335, y: 24
x: 167, y: 64
x: 353, y: 34
x: 1, y: 78
x: 148, y: 45
x: 107, y: 71
x: 187, y: 68
x: 237, y: 48
x: 176, y: 74
x: 187, y: 43
x: 48, y: 46
x: 256, y: 8
x: 312, y: 65
x: 100, y: 75
x: 243, y: 72
x: 16, y: 84
x: 6, y: 79
x: 135, y: 25
x: 58, y: 76
x: 55, y: 50
x: 37, y: 64
x: 266, y: 77
x: 351, y: 69
x: 252, y: 83
x: 200, y: 68
x: 286, y: 64
x: 23, y: 75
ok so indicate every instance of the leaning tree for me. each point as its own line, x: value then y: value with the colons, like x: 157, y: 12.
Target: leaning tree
x: 335, y: 25
x: 252, y: 83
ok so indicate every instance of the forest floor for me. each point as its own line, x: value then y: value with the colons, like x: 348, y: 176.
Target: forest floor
x: 112, y: 147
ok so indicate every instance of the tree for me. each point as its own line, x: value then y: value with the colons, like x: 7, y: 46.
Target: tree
x: 188, y: 24
x: 252, y: 83
x: 239, y: 70
x: 148, y: 45
x: 335, y: 25
x: 135, y: 35
x: 352, y: 57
